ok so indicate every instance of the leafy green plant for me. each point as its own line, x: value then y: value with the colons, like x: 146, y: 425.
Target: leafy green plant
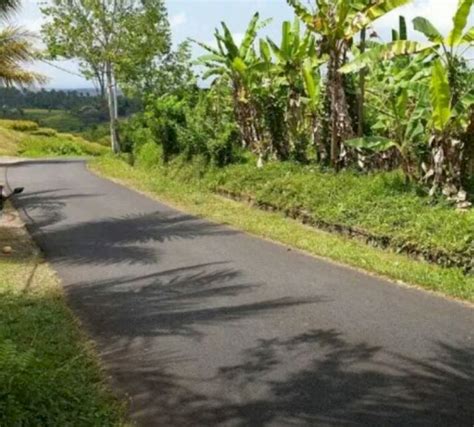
x: 337, y: 23
x: 164, y: 116
x: 287, y: 79
x: 239, y: 65
x: 399, y: 103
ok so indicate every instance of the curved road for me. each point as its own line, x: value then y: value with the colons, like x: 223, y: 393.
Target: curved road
x: 202, y: 325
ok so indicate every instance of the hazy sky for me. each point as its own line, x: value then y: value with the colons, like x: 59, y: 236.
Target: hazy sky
x: 198, y: 18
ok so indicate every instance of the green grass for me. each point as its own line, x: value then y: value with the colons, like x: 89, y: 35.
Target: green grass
x: 60, y: 145
x: 380, y: 205
x: 187, y: 187
x: 25, y: 138
x: 19, y: 125
x: 49, y: 372
x: 60, y: 120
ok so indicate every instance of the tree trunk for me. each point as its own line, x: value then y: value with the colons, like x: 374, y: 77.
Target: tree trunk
x: 318, y: 144
x: 112, y: 100
x: 341, y: 126
x: 468, y: 166
x: 246, y: 117
x: 445, y: 173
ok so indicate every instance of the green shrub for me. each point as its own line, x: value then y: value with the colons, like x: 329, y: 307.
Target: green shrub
x: 135, y: 133
x: 164, y: 116
x: 148, y: 155
x: 97, y: 133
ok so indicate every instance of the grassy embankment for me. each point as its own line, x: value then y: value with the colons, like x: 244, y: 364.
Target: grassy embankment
x: 63, y: 121
x: 49, y: 373
x: 375, y: 209
x: 26, y: 138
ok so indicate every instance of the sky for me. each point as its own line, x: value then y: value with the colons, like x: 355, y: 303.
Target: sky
x: 198, y: 18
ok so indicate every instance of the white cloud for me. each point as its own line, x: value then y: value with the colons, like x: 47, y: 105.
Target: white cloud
x: 439, y: 12
x: 178, y: 19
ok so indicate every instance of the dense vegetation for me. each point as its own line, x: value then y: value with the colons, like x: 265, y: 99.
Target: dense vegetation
x: 329, y: 96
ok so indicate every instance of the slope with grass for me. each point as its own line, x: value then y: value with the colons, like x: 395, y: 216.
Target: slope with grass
x: 49, y: 373
x: 379, y: 208
x: 26, y: 138
x: 91, y: 129
x: 190, y: 186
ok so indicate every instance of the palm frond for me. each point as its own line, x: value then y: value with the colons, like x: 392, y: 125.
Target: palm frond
x: 7, y: 7
x: 16, y: 49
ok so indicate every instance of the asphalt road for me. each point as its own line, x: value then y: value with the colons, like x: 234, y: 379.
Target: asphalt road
x: 202, y: 325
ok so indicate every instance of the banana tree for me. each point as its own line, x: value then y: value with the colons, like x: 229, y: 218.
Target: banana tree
x: 451, y: 120
x: 448, y: 48
x: 451, y: 98
x: 337, y: 22
x: 313, y: 99
x: 238, y: 63
x: 399, y: 105
x: 290, y: 56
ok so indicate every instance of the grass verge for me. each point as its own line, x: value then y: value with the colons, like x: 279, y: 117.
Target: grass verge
x: 49, y: 373
x: 198, y: 199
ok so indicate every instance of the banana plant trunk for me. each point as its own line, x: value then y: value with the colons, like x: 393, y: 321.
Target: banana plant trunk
x: 341, y: 124
x: 294, y: 118
x: 317, y: 140
x: 445, y: 173
x: 245, y: 115
x: 468, y: 167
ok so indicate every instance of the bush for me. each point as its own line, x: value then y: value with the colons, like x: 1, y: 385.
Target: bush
x: 20, y: 125
x: 164, y: 116
x: 135, y: 133
x: 97, y: 133
x: 148, y: 155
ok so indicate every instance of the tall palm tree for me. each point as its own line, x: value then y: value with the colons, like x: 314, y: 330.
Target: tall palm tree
x: 16, y: 49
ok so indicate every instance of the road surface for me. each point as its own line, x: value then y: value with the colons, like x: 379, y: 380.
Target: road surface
x: 201, y: 325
